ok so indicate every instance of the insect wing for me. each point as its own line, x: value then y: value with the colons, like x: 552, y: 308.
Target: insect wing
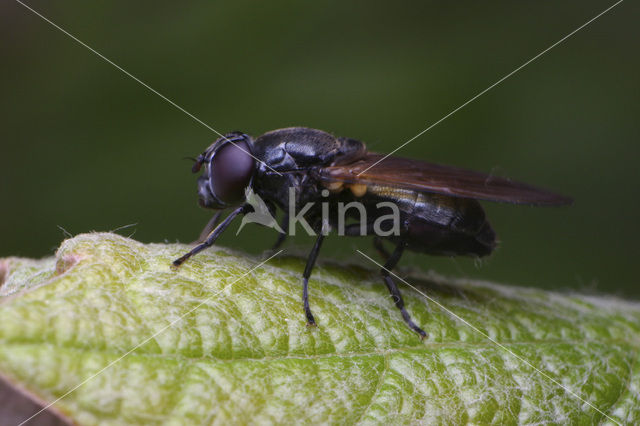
x: 428, y: 177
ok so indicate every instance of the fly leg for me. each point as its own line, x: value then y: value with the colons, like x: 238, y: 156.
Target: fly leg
x: 395, y: 292
x: 384, y: 253
x: 284, y: 226
x: 212, y: 237
x: 355, y: 229
x: 213, y: 222
x: 311, y: 260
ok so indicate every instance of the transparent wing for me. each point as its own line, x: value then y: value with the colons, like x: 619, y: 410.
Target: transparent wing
x: 452, y: 181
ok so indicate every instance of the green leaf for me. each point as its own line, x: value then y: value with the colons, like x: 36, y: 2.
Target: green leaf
x: 219, y: 342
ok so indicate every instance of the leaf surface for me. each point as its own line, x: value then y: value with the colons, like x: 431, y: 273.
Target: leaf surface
x: 220, y: 342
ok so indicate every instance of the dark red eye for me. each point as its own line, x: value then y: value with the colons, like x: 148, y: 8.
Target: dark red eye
x: 230, y: 171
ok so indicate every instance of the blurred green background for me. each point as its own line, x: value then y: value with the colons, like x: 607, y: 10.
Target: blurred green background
x: 85, y: 147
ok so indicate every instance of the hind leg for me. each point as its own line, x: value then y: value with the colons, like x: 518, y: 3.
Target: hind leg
x: 392, y: 261
x: 379, y: 246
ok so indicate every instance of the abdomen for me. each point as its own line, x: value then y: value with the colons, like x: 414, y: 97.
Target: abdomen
x: 440, y: 225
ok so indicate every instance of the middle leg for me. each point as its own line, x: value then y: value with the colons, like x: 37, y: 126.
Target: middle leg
x: 305, y: 278
x: 282, y: 236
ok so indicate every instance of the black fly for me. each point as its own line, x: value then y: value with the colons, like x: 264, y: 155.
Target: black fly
x: 437, y: 209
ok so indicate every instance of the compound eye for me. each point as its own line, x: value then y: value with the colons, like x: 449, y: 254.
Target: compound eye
x: 230, y: 172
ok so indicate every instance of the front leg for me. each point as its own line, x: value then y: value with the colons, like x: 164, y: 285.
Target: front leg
x: 213, y: 236
x: 210, y: 226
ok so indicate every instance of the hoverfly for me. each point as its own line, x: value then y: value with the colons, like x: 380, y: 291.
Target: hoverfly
x: 438, y: 206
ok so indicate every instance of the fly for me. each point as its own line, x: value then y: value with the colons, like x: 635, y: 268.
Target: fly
x: 436, y: 208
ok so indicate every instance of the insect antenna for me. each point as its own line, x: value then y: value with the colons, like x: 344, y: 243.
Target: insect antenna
x: 197, y: 163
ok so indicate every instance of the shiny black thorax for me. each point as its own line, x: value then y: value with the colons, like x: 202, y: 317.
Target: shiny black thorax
x: 429, y: 223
